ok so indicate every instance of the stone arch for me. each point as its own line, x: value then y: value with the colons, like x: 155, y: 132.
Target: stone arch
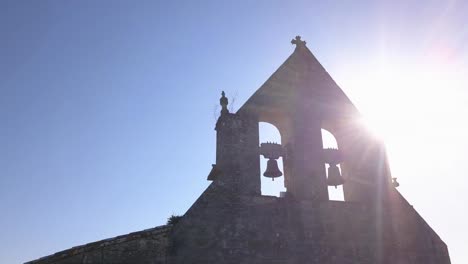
x: 330, y: 141
x: 268, y: 132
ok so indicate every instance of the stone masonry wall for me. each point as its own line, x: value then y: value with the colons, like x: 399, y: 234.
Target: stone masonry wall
x: 144, y: 247
x: 223, y: 227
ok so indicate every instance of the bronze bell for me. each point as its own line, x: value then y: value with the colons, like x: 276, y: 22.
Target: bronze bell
x: 334, y: 176
x: 272, y: 171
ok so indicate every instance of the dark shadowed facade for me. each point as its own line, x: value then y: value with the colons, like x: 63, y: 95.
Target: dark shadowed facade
x: 231, y: 222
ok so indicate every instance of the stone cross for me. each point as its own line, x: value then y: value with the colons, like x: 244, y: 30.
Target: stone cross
x: 298, y: 42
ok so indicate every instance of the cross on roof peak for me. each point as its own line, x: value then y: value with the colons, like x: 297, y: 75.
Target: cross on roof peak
x: 298, y: 42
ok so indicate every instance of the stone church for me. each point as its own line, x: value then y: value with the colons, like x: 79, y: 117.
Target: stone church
x: 232, y: 222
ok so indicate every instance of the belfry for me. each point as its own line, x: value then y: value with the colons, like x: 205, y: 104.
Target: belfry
x: 232, y: 222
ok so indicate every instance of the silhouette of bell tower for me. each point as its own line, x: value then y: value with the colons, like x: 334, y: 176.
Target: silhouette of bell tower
x: 301, y: 99
x: 232, y: 222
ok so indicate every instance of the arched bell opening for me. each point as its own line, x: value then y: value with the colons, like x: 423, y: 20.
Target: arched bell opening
x: 271, y: 160
x: 335, y: 179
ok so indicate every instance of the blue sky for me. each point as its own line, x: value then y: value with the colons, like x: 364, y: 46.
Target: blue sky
x: 107, y: 108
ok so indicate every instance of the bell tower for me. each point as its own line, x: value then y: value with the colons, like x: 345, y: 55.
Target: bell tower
x: 232, y: 222
x: 301, y: 99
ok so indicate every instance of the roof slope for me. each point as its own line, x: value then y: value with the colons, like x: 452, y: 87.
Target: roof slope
x: 300, y: 80
x: 151, y: 233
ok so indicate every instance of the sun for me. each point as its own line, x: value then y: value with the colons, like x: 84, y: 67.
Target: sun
x: 395, y: 96
x: 411, y: 107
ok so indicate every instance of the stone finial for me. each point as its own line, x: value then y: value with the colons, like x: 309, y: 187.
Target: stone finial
x: 223, y: 101
x: 395, y: 182
x: 298, y: 42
